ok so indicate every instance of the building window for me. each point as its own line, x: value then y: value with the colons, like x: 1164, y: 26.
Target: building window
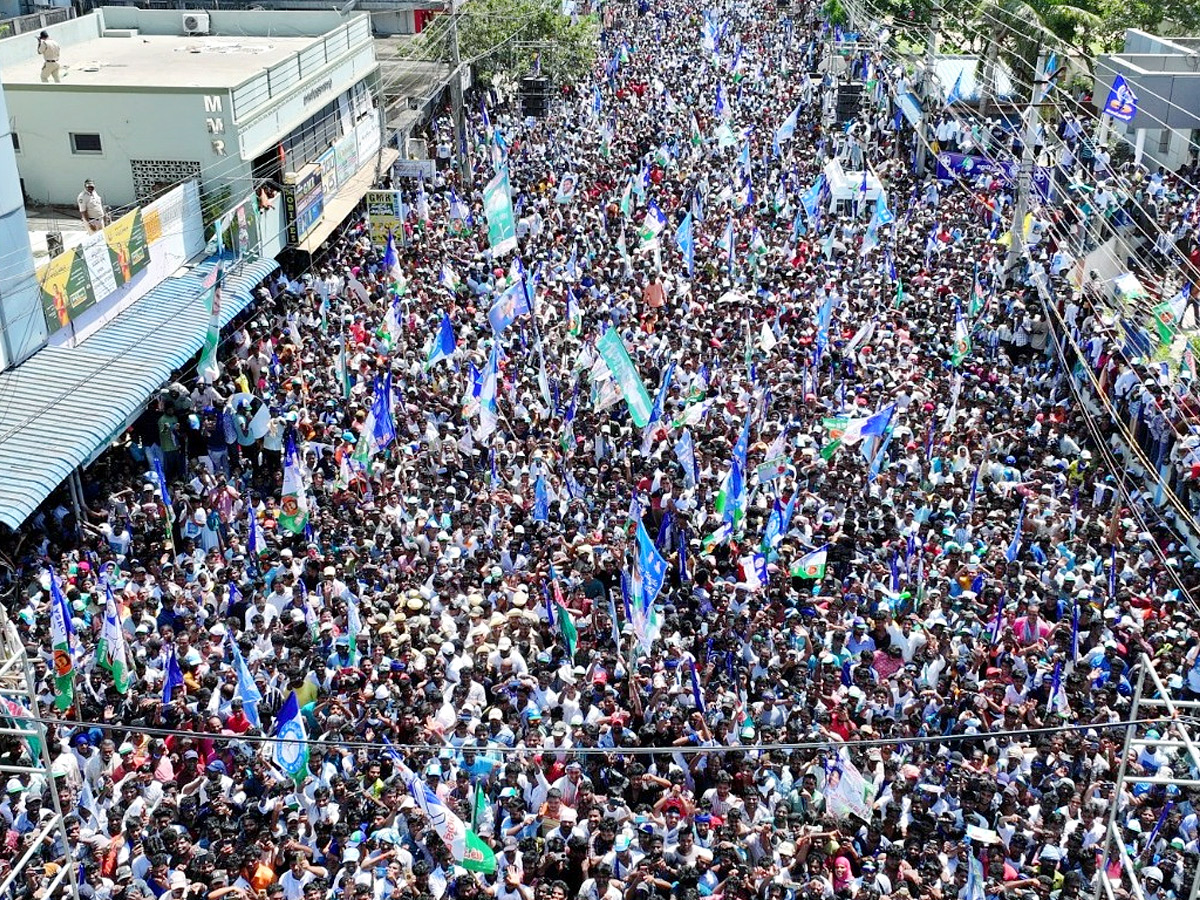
x: 16, y: 142
x: 1164, y: 141
x: 85, y: 142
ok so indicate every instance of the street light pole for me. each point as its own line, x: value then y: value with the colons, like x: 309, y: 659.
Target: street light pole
x: 1030, y: 119
x: 927, y: 80
x: 456, y: 103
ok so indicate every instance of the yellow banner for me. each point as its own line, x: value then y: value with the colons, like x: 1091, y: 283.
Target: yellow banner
x: 127, y: 246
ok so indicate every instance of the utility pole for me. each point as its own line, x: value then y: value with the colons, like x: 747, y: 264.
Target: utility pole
x: 456, y: 103
x: 927, y: 81
x: 1016, y: 246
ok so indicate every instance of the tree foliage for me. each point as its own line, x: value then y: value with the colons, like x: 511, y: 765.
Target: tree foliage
x: 1168, y: 18
x: 504, y: 37
x: 1022, y: 29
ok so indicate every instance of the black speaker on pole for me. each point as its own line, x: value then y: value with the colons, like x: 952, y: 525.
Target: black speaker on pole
x: 534, y: 96
x: 849, y: 98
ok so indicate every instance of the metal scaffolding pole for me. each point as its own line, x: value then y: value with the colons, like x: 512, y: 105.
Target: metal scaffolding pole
x: 17, y: 684
x: 1150, y: 691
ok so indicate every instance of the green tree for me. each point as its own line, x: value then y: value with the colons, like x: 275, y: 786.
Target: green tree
x: 835, y: 13
x: 504, y: 37
x: 1169, y: 18
x: 1016, y: 31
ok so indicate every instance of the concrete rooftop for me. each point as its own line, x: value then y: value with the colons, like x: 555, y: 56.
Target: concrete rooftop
x: 153, y: 60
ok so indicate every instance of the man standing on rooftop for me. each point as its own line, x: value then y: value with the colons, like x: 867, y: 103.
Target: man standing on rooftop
x: 49, y: 50
x: 91, y: 206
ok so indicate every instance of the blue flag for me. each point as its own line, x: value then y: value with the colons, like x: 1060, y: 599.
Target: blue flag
x: 652, y: 566
x: 541, y: 500
x: 810, y: 198
x: 773, y: 533
x: 247, y: 690
x: 686, y: 240
x: 290, y: 751
x: 173, y: 679
x: 512, y: 303
x: 162, y: 482
x: 1014, y: 548
x: 785, y: 131
x: 383, y: 429
x: 660, y: 398
x: 697, y: 693
x: 1122, y: 102
x: 955, y: 95
x: 444, y: 344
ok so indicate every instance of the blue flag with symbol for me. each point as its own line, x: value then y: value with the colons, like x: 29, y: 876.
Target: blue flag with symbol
x: 652, y: 566
x: 1122, y: 102
x: 512, y: 303
x: 290, y: 751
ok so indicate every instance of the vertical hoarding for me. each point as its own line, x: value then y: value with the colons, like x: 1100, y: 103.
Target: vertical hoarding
x: 385, y: 212
x: 304, y: 202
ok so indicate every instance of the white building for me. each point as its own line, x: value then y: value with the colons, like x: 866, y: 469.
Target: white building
x: 152, y: 97
x: 22, y: 326
x: 1164, y: 74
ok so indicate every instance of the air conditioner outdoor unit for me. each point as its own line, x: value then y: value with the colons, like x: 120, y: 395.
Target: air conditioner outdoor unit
x: 195, y: 23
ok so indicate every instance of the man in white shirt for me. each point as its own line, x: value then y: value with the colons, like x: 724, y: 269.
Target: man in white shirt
x: 89, y: 201
x: 300, y: 873
x: 49, y: 50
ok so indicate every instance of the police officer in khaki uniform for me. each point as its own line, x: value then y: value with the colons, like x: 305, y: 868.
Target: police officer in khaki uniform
x: 91, y: 206
x: 49, y: 50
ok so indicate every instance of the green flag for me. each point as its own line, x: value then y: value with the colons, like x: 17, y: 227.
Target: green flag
x: 830, y: 448
x: 479, y: 808
x: 60, y: 648
x: 569, y: 632
x: 290, y: 750
x: 811, y: 565
x: 477, y: 856
x: 1164, y: 322
x: 110, y: 651
x: 616, y: 357
x: 962, y: 340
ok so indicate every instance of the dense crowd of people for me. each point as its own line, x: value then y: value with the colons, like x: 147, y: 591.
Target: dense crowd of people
x: 907, y: 587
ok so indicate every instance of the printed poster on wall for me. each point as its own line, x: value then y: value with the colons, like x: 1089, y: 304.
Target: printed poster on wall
x: 127, y: 246
x: 329, y: 172
x: 66, y: 289
x: 346, y: 151
x: 238, y: 230
x: 367, y: 133
x: 99, y: 266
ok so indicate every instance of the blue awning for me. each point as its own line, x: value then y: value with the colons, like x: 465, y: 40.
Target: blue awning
x: 61, y: 407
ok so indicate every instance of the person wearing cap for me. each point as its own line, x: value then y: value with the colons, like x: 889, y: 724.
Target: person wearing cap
x: 89, y: 201
x: 839, y: 651
x: 50, y: 51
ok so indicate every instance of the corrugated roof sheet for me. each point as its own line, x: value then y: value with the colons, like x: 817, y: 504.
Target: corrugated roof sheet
x: 63, y: 405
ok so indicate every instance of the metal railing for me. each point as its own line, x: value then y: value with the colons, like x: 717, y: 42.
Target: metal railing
x: 35, y: 21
